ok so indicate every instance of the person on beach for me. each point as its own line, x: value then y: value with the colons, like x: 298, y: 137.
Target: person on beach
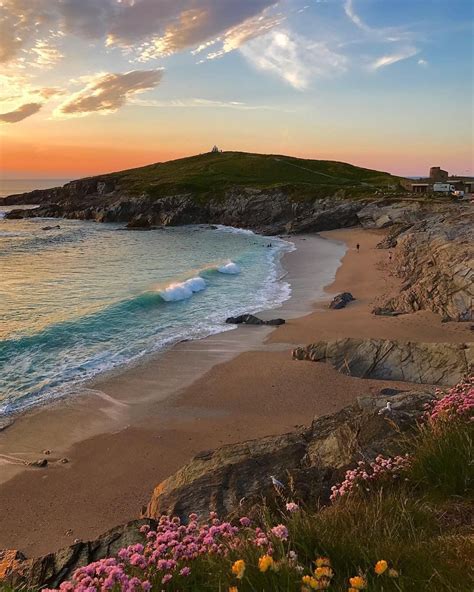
x: 357, y: 247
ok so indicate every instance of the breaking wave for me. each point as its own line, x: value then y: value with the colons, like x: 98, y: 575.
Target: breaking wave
x: 183, y: 290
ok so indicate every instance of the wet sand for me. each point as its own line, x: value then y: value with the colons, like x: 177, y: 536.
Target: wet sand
x: 135, y: 428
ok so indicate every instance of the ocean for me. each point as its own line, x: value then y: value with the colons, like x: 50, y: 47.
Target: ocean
x: 86, y: 298
x: 14, y: 186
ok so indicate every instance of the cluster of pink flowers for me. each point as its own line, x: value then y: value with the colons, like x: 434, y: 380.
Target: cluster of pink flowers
x: 457, y: 403
x: 365, y: 474
x: 167, y: 554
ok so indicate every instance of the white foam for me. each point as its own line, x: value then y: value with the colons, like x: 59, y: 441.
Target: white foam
x: 233, y: 230
x: 230, y: 268
x: 183, y: 290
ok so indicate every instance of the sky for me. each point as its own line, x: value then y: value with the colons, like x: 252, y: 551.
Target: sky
x: 93, y: 86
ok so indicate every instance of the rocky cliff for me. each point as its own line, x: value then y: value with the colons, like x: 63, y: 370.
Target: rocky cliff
x: 271, y: 211
x: 433, y: 255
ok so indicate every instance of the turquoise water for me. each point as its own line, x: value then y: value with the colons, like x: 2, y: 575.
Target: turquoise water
x: 87, y: 297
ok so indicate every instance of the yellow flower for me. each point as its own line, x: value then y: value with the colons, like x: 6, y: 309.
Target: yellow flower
x: 393, y: 573
x: 380, y: 567
x: 238, y: 568
x: 265, y: 562
x: 323, y: 562
x: 358, y: 582
x: 315, y: 584
x: 323, y: 572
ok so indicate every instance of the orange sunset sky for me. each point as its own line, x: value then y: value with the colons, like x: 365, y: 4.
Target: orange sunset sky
x: 91, y: 87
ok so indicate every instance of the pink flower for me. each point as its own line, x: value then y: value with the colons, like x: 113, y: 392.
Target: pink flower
x: 185, y: 571
x: 280, y: 531
x: 292, y: 507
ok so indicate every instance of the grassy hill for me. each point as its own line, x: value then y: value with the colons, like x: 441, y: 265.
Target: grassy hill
x: 216, y: 172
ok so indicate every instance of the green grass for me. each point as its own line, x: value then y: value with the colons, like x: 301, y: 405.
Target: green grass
x: 213, y: 174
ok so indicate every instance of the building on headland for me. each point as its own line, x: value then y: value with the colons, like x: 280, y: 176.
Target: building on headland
x: 437, y: 177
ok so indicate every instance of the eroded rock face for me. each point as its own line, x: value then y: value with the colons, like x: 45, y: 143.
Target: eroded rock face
x: 313, y: 459
x: 425, y: 363
x: 50, y: 570
x: 271, y: 211
x: 435, y: 260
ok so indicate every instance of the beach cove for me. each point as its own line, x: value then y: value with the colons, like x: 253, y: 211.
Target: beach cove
x: 139, y: 426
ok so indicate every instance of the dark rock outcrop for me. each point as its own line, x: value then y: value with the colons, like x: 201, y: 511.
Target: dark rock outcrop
x: 248, y: 319
x: 235, y: 476
x: 271, y: 211
x: 52, y: 569
x: 425, y: 363
x: 341, y: 300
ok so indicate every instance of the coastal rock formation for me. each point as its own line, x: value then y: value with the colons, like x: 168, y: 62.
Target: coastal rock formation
x: 341, y: 300
x: 435, y: 260
x: 382, y: 214
x: 312, y: 459
x: 50, y: 570
x: 272, y: 211
x: 425, y: 363
x: 248, y: 319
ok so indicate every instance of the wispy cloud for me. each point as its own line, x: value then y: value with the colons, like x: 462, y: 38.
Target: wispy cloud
x: 106, y: 93
x: 20, y: 113
x: 202, y: 103
x: 293, y: 58
x: 388, y: 60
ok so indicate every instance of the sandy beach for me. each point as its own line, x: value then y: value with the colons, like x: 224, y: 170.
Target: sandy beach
x: 135, y: 428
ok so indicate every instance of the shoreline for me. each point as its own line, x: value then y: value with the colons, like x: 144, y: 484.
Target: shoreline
x: 94, y: 412
x: 243, y: 396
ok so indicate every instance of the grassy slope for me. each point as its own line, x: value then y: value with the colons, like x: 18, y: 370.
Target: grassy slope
x: 215, y: 173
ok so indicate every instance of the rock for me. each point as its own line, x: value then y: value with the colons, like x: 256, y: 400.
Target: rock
x: 233, y: 477
x: 341, y: 300
x: 47, y: 452
x: 425, y: 363
x: 51, y: 227
x: 10, y: 560
x: 5, y: 422
x: 385, y: 312
x: 435, y: 260
x: 39, y: 464
x: 140, y: 222
x: 63, y: 461
x: 50, y: 570
x: 248, y: 319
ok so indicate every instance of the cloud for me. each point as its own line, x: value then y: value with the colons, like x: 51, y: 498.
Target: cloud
x: 293, y: 58
x: 422, y: 62
x: 21, y: 112
x: 22, y: 23
x: 46, y: 54
x: 388, y: 60
x: 170, y: 26
x: 355, y: 18
x: 237, y: 36
x: 202, y: 103
x: 106, y: 93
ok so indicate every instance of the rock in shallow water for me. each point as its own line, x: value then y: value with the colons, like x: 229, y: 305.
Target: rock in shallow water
x: 248, y: 319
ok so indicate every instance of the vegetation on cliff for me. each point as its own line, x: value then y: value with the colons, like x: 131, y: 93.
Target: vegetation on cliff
x: 394, y: 524
x: 217, y: 172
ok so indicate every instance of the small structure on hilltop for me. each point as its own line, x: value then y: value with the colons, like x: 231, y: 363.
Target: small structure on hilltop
x: 215, y: 150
